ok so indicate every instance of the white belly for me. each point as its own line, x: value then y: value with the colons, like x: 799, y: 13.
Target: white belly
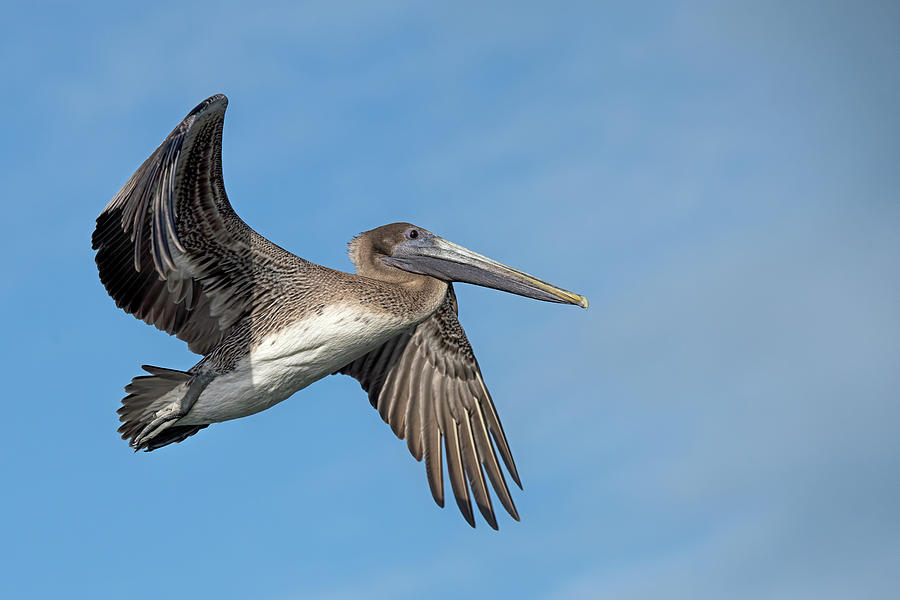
x: 290, y: 360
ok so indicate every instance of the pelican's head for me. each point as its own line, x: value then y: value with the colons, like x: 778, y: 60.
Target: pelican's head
x: 414, y: 249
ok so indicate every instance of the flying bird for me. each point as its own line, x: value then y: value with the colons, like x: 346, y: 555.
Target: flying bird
x: 172, y: 252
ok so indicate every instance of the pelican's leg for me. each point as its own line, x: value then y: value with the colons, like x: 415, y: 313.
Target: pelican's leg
x: 171, y: 413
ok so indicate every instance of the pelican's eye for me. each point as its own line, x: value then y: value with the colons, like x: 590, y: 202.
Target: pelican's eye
x: 412, y: 234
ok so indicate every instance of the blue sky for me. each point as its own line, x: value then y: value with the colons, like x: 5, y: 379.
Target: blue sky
x: 721, y: 180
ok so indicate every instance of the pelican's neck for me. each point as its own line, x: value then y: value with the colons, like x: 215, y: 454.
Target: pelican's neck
x: 410, y: 296
x: 428, y: 294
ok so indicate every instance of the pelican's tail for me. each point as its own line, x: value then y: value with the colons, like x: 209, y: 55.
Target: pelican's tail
x: 149, y: 411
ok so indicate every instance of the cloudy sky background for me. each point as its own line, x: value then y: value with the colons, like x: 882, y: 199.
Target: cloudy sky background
x: 721, y: 180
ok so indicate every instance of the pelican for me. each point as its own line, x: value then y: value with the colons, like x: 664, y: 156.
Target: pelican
x: 172, y: 252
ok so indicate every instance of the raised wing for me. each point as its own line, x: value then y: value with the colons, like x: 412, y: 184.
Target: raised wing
x: 171, y: 250
x: 427, y: 386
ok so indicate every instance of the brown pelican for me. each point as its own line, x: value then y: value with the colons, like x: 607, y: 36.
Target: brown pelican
x: 172, y: 252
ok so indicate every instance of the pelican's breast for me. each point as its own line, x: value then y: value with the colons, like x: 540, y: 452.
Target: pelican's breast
x: 293, y: 357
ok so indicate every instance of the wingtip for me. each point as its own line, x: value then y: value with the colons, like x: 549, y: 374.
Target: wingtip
x: 513, y: 511
x: 467, y: 512
x: 216, y: 101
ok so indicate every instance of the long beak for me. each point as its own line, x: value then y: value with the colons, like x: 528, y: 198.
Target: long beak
x: 445, y: 260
